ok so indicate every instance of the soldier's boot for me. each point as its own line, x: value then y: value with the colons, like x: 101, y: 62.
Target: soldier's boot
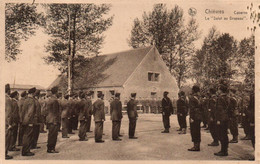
x: 166, y: 130
x: 234, y: 140
x: 183, y: 131
x: 196, y: 147
x: 223, y: 151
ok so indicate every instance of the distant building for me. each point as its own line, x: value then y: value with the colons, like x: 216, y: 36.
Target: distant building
x: 140, y: 71
x: 21, y: 87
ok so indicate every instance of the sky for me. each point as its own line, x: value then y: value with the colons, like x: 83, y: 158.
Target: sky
x: 30, y: 67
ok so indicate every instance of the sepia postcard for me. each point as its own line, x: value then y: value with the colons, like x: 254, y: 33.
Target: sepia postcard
x: 129, y: 81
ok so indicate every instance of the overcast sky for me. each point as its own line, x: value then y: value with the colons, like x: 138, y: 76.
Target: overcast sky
x: 31, y: 69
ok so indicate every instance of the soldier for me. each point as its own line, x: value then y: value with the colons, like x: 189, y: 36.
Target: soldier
x: 14, y: 96
x: 21, y: 113
x: 89, y: 94
x: 76, y: 112
x: 42, y: 102
x: 132, y: 116
x: 182, y: 112
x: 204, y: 106
x: 234, y: 116
x: 195, y: 118
x: 65, y: 116
x: 222, y: 117
x: 38, y: 121
x: 84, y: 107
x: 53, y: 120
x: 116, y: 116
x: 212, y: 119
x: 29, y: 109
x: 8, y: 121
x: 167, y: 110
x: 99, y: 118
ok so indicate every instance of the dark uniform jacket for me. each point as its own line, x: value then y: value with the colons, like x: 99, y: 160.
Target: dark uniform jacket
x: 116, y: 110
x: 222, y: 109
x: 8, y: 111
x: 195, y: 108
x: 84, y: 108
x: 98, y: 110
x: 132, y: 109
x: 37, y: 118
x: 29, y: 109
x: 182, y: 106
x: 167, y: 107
x: 65, y: 109
x: 212, y: 107
x: 73, y: 106
x: 15, y: 111
x: 53, y: 111
x: 20, y: 105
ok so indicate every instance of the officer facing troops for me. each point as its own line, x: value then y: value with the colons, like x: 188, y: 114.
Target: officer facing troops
x: 167, y: 110
x: 195, y: 118
x: 37, y: 119
x: 212, y: 119
x: 21, y: 127
x: 116, y: 116
x: 182, y: 110
x: 8, y: 121
x: 29, y: 109
x: 222, y: 118
x: 14, y: 95
x: 132, y: 115
x: 233, y: 123
x: 65, y: 116
x: 53, y: 120
x: 99, y: 117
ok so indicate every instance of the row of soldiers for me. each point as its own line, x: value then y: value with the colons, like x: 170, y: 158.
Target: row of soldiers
x: 222, y: 108
x: 28, y: 116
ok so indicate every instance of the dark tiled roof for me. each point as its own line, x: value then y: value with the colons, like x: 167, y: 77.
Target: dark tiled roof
x: 22, y: 86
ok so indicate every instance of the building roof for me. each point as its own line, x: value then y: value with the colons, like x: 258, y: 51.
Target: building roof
x: 114, y: 68
x: 26, y: 87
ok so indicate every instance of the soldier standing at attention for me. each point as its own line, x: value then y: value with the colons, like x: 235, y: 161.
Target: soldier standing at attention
x: 222, y: 118
x: 65, y: 115
x: 84, y: 107
x: 212, y: 118
x: 116, y: 116
x: 14, y: 95
x: 37, y: 119
x: 53, y: 120
x: 29, y: 109
x: 195, y: 118
x: 8, y: 121
x: 89, y: 94
x: 132, y: 116
x: 21, y: 115
x: 182, y: 112
x: 234, y: 116
x: 99, y: 118
x: 167, y: 110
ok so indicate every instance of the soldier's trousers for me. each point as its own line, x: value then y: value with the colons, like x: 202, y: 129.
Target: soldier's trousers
x: 98, y: 130
x: 115, y: 129
x: 52, y: 136
x: 223, y: 136
x: 36, y: 133
x: 20, y: 134
x: 195, y: 131
x: 82, y: 129
x: 14, y: 136
x: 182, y: 121
x: 166, y: 121
x: 233, y: 125
x: 27, y: 139
x: 88, y: 123
x: 246, y: 125
x: 70, y: 123
x: 132, y: 125
x: 64, y: 125
x: 8, y: 139
x: 213, y: 130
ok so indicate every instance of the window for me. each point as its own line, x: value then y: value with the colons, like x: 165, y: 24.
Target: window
x: 153, y: 76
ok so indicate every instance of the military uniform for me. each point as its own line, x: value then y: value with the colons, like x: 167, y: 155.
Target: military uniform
x: 43, y: 103
x: 182, y: 113
x: 99, y: 118
x: 21, y: 115
x: 8, y: 124
x: 74, y: 114
x: 167, y: 110
x: 89, y: 116
x: 132, y: 116
x: 116, y: 116
x: 233, y: 123
x: 212, y: 120
x: 65, y: 116
x: 204, y: 106
x: 84, y: 107
x: 36, y: 125
x: 53, y: 122
x: 16, y: 121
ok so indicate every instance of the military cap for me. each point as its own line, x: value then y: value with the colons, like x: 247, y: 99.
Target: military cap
x: 67, y: 97
x: 54, y: 90
x: 117, y: 95
x: 37, y: 92
x: 23, y: 94
x: 13, y: 94
x: 196, y: 89
x: 165, y: 93
x: 32, y: 90
x: 133, y: 94
x: 7, y: 88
